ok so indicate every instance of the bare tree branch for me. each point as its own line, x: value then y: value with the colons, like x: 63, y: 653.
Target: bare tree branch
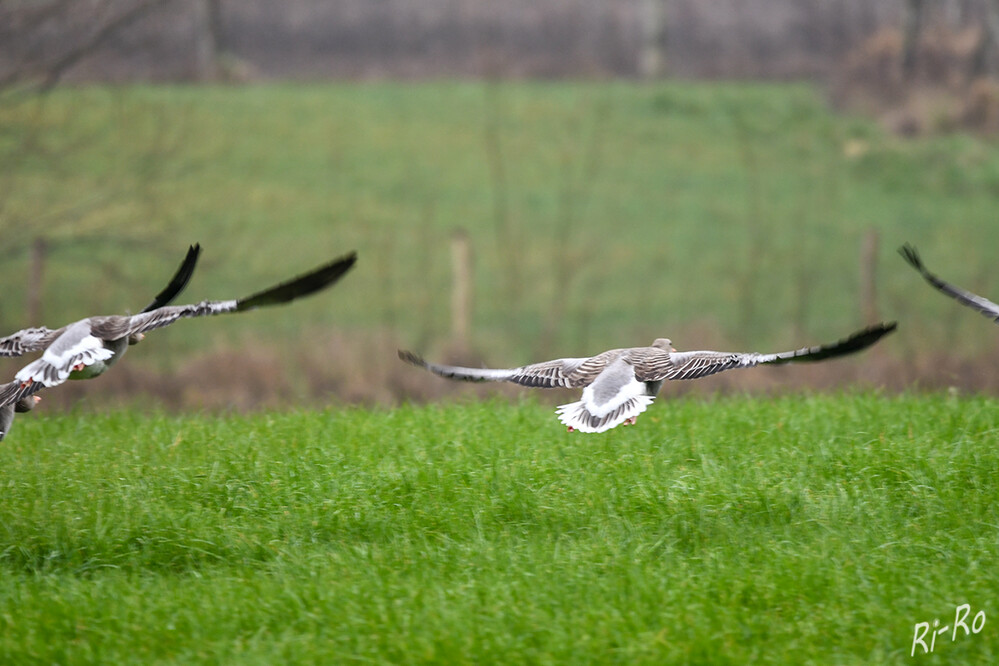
x: 37, y: 26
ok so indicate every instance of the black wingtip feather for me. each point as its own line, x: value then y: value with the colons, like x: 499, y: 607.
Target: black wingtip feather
x: 853, y: 343
x: 911, y: 256
x: 412, y: 359
x: 179, y: 281
x: 303, y: 285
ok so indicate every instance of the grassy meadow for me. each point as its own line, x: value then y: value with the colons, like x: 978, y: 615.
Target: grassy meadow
x: 804, y: 529
x: 599, y: 214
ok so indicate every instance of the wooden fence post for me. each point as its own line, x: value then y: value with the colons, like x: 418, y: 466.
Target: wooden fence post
x: 868, y: 277
x: 461, y: 289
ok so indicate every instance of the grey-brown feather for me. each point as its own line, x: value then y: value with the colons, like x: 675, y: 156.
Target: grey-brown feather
x: 115, y: 327
x: 558, y: 373
x: 696, y: 364
x: 28, y: 340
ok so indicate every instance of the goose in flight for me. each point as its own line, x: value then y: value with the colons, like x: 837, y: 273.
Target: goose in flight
x: 87, y: 348
x: 619, y: 384
x: 170, y: 292
x: 983, y: 305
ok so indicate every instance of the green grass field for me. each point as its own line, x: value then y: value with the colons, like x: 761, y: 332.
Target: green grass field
x: 799, y: 530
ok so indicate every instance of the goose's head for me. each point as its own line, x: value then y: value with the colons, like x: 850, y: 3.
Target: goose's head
x: 664, y: 343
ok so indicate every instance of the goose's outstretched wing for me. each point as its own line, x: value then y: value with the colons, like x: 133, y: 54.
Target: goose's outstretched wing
x: 118, y: 327
x: 38, y: 338
x: 694, y: 364
x: 559, y: 373
x: 983, y: 305
x: 27, y: 341
x: 303, y: 285
x: 179, y: 281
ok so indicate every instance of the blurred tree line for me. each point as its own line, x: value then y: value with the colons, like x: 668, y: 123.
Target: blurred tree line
x: 116, y: 40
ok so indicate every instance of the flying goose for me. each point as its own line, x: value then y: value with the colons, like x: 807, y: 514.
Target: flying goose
x: 983, y: 305
x: 619, y: 384
x: 171, y: 291
x: 88, y: 347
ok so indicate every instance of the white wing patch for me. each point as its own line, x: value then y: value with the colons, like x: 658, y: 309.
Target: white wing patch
x: 575, y: 415
x: 53, y: 367
x: 614, y: 397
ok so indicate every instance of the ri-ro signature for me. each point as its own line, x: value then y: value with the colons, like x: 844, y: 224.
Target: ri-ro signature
x: 925, y: 634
